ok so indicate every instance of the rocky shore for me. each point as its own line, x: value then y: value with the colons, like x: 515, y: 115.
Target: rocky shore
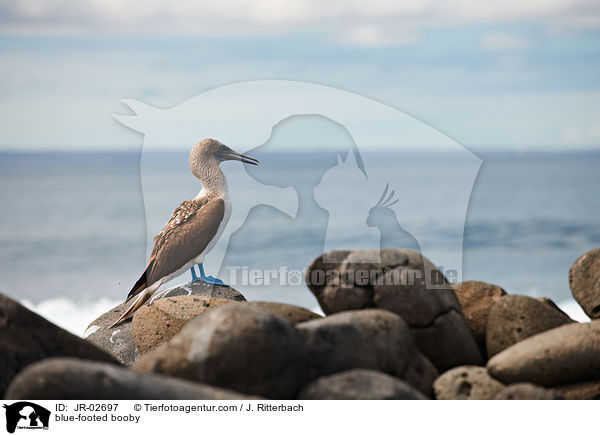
x: 384, y: 336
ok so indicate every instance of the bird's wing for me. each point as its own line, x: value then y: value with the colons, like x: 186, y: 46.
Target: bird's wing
x: 191, y: 227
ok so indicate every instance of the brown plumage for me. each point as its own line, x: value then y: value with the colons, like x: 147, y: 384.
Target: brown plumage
x: 187, y: 234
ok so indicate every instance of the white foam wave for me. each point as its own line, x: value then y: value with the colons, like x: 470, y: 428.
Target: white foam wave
x: 70, y: 315
x: 572, y: 308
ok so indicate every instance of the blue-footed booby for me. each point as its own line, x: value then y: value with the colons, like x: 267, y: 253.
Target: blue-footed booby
x: 194, y: 227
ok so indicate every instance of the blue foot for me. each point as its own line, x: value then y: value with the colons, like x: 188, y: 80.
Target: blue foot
x: 208, y: 279
x: 212, y: 281
x: 194, y: 276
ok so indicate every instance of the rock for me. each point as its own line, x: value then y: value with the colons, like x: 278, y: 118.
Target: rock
x: 466, y: 383
x: 476, y: 298
x: 26, y: 337
x: 369, y: 339
x: 201, y: 289
x: 588, y: 390
x: 360, y: 384
x: 528, y: 391
x: 338, y: 299
x: 157, y: 322
x: 397, y: 283
x: 584, y: 280
x: 293, y: 314
x: 236, y: 346
x: 119, y: 341
x: 513, y: 318
x: 547, y: 301
x: 566, y: 354
x: 75, y: 379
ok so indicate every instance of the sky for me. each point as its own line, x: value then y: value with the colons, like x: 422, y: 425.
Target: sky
x: 494, y: 75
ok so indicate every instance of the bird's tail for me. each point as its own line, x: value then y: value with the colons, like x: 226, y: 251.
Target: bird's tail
x: 137, y: 303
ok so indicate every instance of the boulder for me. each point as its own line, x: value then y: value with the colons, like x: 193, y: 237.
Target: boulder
x: 369, y: 339
x: 202, y: 289
x: 26, y: 337
x: 76, y: 379
x: 547, y: 301
x: 466, y: 383
x: 119, y: 341
x: 475, y: 299
x: 360, y: 384
x: 563, y: 355
x: 236, y: 346
x: 293, y: 314
x: 584, y: 280
x: 404, y: 282
x: 588, y: 390
x: 160, y: 320
x: 513, y: 318
x: 528, y: 391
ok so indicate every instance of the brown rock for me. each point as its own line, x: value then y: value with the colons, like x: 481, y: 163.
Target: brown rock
x: 293, y: 314
x: 466, y: 383
x: 406, y: 283
x: 26, y: 337
x: 584, y: 279
x: 563, y: 355
x: 528, y: 391
x: 588, y: 390
x: 360, y: 384
x: 75, y: 379
x: 476, y: 298
x: 547, y: 301
x: 236, y: 346
x: 157, y: 322
x: 513, y: 318
x: 370, y: 339
x: 118, y: 340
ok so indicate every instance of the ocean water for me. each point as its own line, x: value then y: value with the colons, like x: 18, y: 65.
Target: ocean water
x: 74, y: 233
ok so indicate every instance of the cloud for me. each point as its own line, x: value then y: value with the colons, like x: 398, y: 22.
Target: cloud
x: 377, y: 22
x: 503, y: 42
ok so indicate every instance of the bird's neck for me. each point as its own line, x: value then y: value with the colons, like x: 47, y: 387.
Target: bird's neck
x: 213, y: 182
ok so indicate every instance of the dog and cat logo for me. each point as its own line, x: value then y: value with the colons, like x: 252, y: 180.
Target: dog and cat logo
x: 26, y: 415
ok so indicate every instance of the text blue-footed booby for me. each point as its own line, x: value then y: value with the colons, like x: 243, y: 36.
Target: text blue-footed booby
x: 194, y: 227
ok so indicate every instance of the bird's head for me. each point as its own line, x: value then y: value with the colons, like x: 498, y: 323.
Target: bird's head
x: 210, y: 151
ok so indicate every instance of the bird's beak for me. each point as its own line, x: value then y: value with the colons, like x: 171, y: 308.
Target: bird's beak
x: 226, y: 153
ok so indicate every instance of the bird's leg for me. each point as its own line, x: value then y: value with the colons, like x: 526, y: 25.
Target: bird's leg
x: 194, y: 276
x: 209, y: 279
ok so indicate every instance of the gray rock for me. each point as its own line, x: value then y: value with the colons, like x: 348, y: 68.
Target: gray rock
x: 566, y: 354
x: 584, y: 279
x: 360, y: 384
x: 513, y: 318
x: 587, y: 390
x: 160, y: 320
x: 466, y: 383
x: 476, y: 298
x: 201, y: 289
x: 75, y: 379
x: 239, y: 347
x: 396, y: 282
x: 119, y: 341
x: 369, y: 339
x: 26, y: 337
x: 293, y: 314
x: 528, y: 391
